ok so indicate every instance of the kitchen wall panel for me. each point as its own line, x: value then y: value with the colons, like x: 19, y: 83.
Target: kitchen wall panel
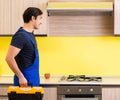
x: 3, y: 52
x: 73, y: 55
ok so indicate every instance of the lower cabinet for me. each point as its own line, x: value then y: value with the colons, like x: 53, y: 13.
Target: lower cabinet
x: 50, y: 93
x: 3, y: 92
x: 111, y: 93
x: 3, y: 98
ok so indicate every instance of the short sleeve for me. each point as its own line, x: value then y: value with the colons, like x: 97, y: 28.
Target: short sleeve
x: 18, y: 40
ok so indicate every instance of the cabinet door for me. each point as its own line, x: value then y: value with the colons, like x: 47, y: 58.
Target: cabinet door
x: 50, y: 93
x: 111, y: 93
x: 3, y: 98
x: 17, y: 9
x: 117, y: 17
x: 3, y: 92
x: 5, y: 17
x: 11, y: 12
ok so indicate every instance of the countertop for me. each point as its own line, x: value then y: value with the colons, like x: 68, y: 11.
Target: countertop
x: 55, y: 80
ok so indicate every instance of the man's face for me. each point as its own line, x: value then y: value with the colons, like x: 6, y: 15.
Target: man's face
x: 38, y: 22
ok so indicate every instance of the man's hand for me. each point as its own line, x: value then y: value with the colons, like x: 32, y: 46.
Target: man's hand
x: 23, y: 82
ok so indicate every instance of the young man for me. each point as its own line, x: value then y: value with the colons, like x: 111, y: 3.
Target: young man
x: 22, y: 56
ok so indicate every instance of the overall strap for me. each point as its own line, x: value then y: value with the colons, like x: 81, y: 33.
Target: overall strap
x: 33, y: 42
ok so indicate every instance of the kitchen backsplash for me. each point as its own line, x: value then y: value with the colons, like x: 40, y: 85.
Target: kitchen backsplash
x: 73, y: 55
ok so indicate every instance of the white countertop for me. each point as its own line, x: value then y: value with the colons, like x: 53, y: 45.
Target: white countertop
x: 105, y: 81
x: 55, y: 80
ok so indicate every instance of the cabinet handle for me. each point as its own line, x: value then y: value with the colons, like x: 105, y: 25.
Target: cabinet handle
x: 79, y: 90
x: 68, y: 90
x: 91, y: 90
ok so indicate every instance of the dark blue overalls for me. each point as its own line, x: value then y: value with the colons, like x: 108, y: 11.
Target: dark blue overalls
x: 31, y: 73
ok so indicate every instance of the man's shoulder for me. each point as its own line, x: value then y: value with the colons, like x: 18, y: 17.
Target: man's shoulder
x: 19, y: 35
x: 19, y: 40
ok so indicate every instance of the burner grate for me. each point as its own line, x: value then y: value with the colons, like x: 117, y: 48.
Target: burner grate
x: 82, y: 78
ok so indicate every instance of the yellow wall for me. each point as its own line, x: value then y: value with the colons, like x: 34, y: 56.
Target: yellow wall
x: 4, y: 44
x: 73, y: 55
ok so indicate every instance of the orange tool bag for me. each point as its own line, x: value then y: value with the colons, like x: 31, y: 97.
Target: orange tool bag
x: 25, y: 93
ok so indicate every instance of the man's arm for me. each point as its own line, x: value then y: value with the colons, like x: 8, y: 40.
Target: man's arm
x: 10, y: 59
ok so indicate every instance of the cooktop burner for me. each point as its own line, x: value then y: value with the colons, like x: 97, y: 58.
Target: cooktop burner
x: 81, y: 78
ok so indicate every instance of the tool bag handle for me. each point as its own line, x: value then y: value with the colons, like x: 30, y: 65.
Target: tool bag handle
x: 29, y: 84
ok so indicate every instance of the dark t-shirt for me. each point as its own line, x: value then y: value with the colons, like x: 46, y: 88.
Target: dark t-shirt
x: 26, y: 56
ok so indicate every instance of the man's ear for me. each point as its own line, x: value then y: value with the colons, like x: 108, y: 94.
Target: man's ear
x: 32, y: 18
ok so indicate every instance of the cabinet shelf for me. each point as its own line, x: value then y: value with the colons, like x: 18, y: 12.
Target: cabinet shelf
x: 56, y: 7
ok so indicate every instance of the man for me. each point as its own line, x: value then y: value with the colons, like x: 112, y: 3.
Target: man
x: 22, y: 56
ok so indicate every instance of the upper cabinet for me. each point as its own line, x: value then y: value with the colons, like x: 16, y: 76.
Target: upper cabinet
x: 64, y: 17
x: 5, y: 17
x: 11, y: 12
x: 17, y: 9
x: 81, y: 18
x: 117, y: 17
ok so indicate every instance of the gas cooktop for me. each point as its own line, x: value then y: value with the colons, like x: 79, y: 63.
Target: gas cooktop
x: 81, y: 78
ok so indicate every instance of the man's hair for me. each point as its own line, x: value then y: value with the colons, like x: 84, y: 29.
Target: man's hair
x: 29, y: 12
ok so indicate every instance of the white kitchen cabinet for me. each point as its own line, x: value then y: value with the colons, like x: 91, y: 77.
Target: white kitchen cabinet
x: 50, y: 93
x: 111, y: 93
